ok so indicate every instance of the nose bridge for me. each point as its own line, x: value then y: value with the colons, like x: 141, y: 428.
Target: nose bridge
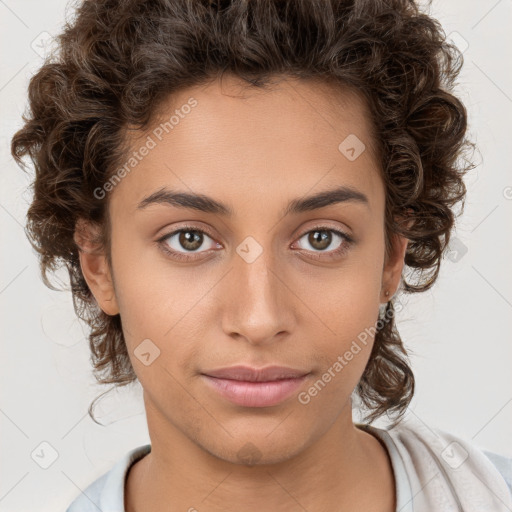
x: 253, y: 271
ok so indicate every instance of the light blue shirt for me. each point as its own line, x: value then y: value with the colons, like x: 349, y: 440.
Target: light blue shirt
x: 434, y: 472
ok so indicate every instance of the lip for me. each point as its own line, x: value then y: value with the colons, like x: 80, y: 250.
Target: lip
x: 255, y: 387
x: 250, y: 374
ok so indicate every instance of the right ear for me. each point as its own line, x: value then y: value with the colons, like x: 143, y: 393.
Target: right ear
x: 94, y: 265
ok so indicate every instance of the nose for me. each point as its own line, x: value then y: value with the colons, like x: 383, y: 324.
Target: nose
x: 258, y: 305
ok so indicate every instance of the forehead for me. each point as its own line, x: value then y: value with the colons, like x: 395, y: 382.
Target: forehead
x: 227, y: 138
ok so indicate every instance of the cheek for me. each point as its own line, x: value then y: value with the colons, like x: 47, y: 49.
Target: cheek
x: 169, y: 320
x: 153, y: 294
x: 162, y: 303
x: 163, y: 323
x: 342, y: 353
x: 346, y: 299
x: 346, y: 303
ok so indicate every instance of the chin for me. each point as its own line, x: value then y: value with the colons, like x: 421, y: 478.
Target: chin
x: 257, y: 447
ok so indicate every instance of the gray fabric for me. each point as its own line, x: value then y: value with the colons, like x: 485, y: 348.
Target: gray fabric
x: 503, y: 464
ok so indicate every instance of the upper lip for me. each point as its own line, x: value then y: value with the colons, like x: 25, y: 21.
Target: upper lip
x: 250, y: 374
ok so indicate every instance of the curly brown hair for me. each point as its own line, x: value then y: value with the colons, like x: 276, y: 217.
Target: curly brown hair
x: 119, y: 59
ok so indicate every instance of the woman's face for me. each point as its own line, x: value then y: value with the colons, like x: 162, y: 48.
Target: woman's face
x: 265, y: 279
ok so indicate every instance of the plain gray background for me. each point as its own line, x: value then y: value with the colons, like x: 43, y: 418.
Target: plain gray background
x: 458, y: 333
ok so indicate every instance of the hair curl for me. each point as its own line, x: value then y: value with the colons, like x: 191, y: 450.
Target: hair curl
x: 118, y: 59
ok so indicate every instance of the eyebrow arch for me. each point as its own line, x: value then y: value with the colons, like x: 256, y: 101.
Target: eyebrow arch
x: 207, y: 204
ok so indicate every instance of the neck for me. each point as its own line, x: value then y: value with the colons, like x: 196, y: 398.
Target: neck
x: 344, y: 468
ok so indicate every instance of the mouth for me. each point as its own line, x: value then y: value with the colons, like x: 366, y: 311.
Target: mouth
x: 253, y: 387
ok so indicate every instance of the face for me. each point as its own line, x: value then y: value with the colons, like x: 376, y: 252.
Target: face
x: 264, y: 277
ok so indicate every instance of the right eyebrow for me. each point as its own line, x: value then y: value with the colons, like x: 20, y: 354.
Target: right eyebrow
x: 179, y: 199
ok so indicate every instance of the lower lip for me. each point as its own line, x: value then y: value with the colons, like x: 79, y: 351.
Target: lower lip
x: 255, y: 394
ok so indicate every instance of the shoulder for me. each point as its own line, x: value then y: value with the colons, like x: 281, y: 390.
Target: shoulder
x: 107, y: 491
x: 443, y: 471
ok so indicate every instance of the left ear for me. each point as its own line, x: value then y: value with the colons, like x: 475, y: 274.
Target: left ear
x: 392, y: 271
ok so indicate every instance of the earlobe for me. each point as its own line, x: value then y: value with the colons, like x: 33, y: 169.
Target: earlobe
x: 94, y: 265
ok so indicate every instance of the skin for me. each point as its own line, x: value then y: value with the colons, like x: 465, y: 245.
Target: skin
x: 254, y: 150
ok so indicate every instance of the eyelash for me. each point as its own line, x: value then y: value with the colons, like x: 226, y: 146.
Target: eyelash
x: 345, y: 246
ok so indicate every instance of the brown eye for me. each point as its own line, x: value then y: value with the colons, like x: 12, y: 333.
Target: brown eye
x: 185, y: 243
x: 322, y: 238
x: 190, y: 240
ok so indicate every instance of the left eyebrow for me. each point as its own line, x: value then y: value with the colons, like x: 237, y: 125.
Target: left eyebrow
x: 207, y: 204
x: 326, y: 198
